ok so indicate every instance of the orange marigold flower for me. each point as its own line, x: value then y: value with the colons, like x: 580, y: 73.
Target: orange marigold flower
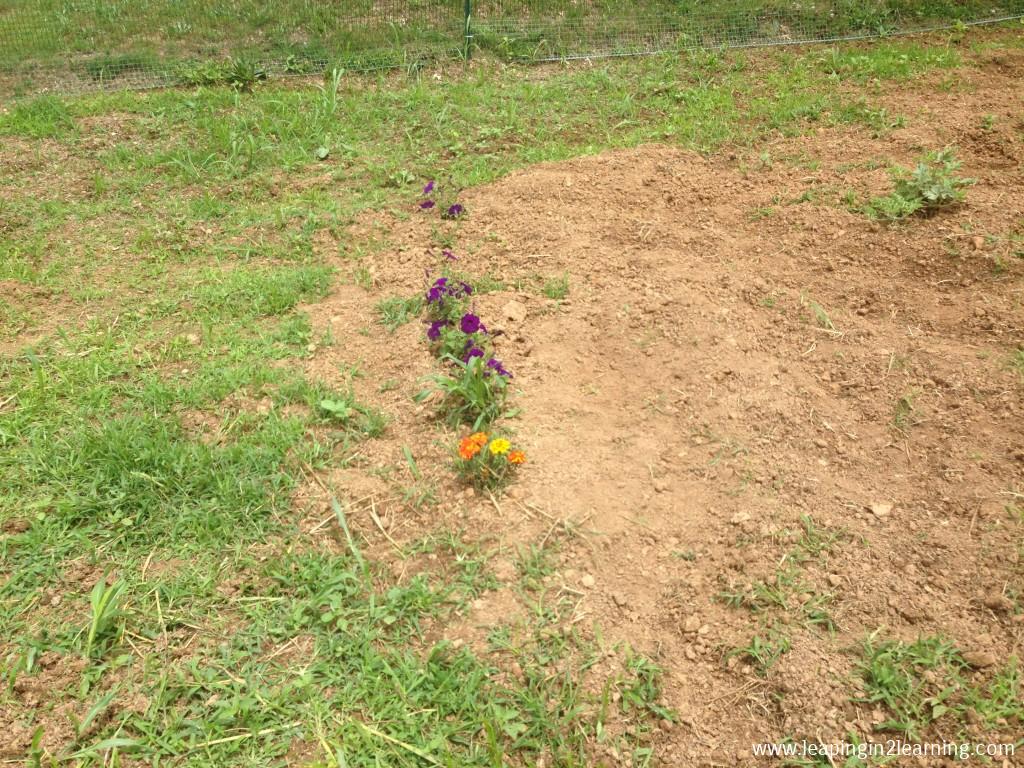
x: 516, y: 457
x: 479, y: 439
x: 468, y: 448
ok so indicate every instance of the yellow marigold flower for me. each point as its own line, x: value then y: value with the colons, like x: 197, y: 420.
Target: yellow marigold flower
x: 500, y: 446
x: 517, y: 457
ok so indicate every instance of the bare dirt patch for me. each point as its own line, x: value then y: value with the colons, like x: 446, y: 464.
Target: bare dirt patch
x: 734, y: 364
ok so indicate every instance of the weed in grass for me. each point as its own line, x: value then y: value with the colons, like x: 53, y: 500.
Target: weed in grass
x: 105, y: 605
x: 396, y: 311
x: 345, y: 410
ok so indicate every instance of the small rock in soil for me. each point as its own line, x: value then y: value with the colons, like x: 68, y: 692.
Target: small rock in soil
x: 587, y: 580
x: 997, y: 602
x: 514, y: 311
x: 980, y: 659
x: 880, y: 510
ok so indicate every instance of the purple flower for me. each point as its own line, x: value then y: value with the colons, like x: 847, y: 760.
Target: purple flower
x: 434, y: 331
x: 454, y: 211
x: 449, y: 255
x: 470, y: 323
x: 429, y: 188
x: 438, y: 291
x: 472, y: 352
x: 494, y: 366
x: 467, y: 289
x: 426, y: 205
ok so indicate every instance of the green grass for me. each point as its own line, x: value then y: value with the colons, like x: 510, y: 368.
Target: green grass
x: 396, y: 311
x: 156, y: 416
x: 928, y: 680
x: 202, y: 43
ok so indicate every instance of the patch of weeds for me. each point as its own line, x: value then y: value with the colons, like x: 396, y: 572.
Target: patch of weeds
x: 362, y: 277
x: 641, y: 688
x: 1001, y: 699
x: 821, y: 316
x: 534, y: 563
x: 903, y: 414
x: 1017, y: 361
x: 786, y: 592
x: 918, y: 682
x: 396, y: 311
x: 879, y: 120
x: 931, y: 186
x: 764, y: 650
x: 490, y: 284
x: 556, y: 288
x: 241, y: 73
x: 815, y: 541
x: 344, y: 409
x: 46, y: 117
x: 248, y: 293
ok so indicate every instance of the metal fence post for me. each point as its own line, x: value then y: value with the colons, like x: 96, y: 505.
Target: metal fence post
x: 467, y: 30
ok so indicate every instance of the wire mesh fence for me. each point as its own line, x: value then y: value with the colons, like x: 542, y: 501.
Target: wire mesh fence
x: 73, y: 45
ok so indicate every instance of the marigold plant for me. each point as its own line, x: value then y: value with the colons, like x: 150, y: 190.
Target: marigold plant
x: 487, y: 463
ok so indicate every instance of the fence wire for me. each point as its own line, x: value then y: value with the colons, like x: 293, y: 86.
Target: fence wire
x: 74, y: 45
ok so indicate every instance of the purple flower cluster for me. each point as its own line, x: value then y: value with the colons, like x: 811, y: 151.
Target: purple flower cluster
x: 443, y: 288
x: 453, y: 211
x: 456, y: 331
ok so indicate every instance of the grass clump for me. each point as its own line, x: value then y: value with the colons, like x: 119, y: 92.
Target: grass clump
x: 931, y: 186
x: 396, y: 311
x: 928, y: 681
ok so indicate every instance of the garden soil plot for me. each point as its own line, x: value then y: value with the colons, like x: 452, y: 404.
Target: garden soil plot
x: 757, y: 415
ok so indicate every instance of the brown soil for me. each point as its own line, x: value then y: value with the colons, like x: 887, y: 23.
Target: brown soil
x: 719, y: 372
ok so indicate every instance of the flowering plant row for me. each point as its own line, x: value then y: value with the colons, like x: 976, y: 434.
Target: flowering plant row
x: 475, y: 387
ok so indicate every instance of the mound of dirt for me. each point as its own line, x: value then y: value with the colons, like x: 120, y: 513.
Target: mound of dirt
x: 747, y: 383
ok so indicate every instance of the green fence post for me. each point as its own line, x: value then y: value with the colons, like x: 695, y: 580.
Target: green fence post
x: 467, y: 30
